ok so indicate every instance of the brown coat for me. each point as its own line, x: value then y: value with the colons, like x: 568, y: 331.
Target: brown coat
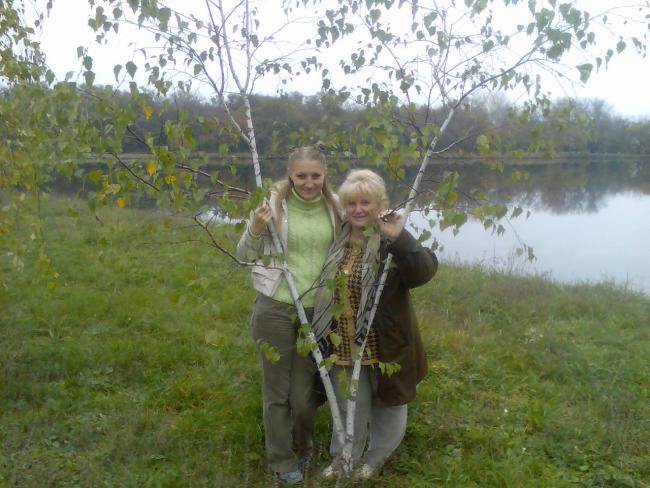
x: 395, y: 322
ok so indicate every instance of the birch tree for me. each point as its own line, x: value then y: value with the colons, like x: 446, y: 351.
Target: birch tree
x: 438, y: 55
x: 415, y: 64
x: 226, y: 47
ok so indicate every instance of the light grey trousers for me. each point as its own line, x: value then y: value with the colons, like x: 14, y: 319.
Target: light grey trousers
x: 288, y: 396
x: 378, y: 428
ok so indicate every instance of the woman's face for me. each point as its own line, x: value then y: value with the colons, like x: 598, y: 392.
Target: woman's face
x: 308, y: 177
x: 361, y: 211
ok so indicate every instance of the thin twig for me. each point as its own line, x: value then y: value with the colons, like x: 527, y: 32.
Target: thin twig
x: 207, y: 175
x: 135, y: 175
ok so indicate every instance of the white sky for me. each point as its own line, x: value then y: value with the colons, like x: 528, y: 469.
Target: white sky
x: 624, y: 86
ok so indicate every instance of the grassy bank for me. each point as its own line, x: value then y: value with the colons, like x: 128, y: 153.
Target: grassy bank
x: 137, y: 369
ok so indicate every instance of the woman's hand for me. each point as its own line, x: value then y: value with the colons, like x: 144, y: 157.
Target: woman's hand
x: 390, y: 224
x: 261, y: 217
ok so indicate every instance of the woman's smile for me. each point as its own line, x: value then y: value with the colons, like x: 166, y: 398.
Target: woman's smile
x: 361, y: 211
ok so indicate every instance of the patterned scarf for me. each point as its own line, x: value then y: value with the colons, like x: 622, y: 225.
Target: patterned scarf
x: 324, y: 299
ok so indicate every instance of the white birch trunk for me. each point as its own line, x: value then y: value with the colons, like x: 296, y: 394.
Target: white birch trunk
x: 250, y: 139
x: 300, y: 310
x: 346, y: 461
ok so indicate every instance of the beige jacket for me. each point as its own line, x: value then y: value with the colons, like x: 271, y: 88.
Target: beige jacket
x: 266, y: 278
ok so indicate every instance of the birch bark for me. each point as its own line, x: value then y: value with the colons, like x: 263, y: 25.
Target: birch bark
x: 347, y: 461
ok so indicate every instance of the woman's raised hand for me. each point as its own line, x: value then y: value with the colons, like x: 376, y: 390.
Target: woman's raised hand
x: 390, y: 224
x: 261, y: 217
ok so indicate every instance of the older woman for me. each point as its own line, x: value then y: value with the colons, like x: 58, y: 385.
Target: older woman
x: 354, y: 263
x: 307, y: 216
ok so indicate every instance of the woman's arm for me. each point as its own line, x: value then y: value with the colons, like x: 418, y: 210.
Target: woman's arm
x: 416, y: 264
x: 252, y: 240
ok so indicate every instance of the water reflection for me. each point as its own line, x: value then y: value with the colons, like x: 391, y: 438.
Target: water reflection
x: 555, y: 187
x: 609, y: 245
x: 589, y: 220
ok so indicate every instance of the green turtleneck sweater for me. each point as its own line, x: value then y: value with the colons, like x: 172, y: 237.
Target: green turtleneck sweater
x: 309, y: 237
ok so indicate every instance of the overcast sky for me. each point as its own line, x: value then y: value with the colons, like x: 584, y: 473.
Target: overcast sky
x: 624, y: 86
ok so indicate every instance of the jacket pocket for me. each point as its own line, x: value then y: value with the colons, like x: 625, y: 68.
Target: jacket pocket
x: 264, y: 279
x: 393, y: 336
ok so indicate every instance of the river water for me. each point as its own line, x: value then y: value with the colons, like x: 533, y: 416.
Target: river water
x: 610, y: 244
x: 588, y: 222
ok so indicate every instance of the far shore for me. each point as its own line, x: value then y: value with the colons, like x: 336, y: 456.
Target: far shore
x: 242, y: 159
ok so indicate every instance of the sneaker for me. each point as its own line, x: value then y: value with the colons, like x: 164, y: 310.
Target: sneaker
x: 303, y: 462
x: 331, y: 472
x: 290, y: 477
x: 365, y: 472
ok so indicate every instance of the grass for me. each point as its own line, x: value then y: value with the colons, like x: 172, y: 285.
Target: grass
x: 137, y: 369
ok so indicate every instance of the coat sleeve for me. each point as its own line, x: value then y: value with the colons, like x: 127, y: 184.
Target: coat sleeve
x: 416, y: 264
x: 249, y: 247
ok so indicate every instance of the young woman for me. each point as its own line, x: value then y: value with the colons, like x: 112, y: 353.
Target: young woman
x: 354, y: 263
x: 307, y: 218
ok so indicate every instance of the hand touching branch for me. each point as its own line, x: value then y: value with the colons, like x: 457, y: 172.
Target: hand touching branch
x: 261, y: 217
x: 390, y: 224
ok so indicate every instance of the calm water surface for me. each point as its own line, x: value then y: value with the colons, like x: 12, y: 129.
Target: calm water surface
x: 612, y: 244
x: 588, y: 222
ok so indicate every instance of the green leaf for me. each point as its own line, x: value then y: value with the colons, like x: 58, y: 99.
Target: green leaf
x: 89, y: 76
x: 94, y: 176
x: 424, y: 236
x: 337, y: 310
x: 585, y: 71
x: 131, y: 68
x: 516, y: 212
x: 483, y: 144
x: 269, y: 352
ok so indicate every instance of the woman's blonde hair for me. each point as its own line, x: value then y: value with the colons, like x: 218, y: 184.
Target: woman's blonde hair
x: 283, y: 187
x: 364, y: 182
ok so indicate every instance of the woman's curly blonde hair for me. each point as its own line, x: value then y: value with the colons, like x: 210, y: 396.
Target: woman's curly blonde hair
x: 364, y: 182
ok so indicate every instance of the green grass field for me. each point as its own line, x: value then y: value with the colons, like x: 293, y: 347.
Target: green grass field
x: 137, y: 370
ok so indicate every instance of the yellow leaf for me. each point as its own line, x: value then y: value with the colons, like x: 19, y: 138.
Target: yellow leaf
x: 170, y: 179
x: 147, y: 111
x: 151, y: 168
x: 120, y: 202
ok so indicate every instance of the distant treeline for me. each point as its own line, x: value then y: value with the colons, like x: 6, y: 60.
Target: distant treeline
x: 568, y: 126
x: 587, y: 126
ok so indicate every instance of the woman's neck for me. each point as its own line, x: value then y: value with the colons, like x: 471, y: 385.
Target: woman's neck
x: 314, y: 200
x: 356, y: 234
